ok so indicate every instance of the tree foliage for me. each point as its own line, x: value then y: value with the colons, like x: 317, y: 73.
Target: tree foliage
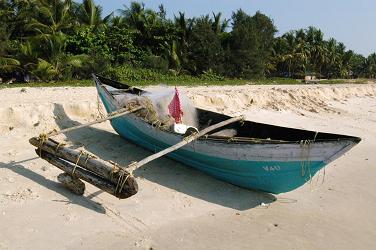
x: 302, y: 52
x: 205, y: 51
x: 250, y: 44
x: 62, y: 39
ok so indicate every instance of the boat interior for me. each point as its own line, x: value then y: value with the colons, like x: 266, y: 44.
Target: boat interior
x: 247, y: 131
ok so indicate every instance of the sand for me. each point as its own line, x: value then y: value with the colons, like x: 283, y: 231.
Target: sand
x: 178, y: 207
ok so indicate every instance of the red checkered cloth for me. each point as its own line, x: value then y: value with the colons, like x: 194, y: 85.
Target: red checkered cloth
x: 175, y: 107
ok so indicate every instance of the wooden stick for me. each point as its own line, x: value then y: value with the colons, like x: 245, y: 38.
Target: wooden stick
x: 72, y: 183
x: 85, y: 175
x: 184, y: 142
x: 113, y: 173
x: 117, y: 113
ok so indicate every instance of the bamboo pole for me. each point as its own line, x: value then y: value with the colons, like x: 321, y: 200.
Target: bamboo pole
x: 111, y: 172
x: 78, y: 172
x: 184, y: 142
x: 117, y: 113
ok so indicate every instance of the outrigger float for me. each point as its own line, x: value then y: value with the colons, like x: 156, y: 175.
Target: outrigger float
x: 263, y: 157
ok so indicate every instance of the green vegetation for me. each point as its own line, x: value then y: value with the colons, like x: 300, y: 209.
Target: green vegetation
x: 62, y: 41
x: 188, y: 83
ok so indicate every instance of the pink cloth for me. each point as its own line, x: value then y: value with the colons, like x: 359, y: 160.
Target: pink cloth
x: 175, y: 107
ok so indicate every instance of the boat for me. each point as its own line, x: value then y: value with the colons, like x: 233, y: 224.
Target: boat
x: 262, y: 157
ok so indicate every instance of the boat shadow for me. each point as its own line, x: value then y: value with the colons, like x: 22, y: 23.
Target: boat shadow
x: 71, y: 198
x: 163, y: 171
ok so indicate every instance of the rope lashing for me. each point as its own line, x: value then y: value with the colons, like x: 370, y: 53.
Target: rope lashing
x: 242, y: 121
x: 78, y: 159
x: 121, y: 182
x: 59, y: 145
x: 89, y: 156
x: 42, y: 139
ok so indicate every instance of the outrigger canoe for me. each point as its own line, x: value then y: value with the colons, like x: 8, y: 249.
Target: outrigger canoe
x: 261, y: 157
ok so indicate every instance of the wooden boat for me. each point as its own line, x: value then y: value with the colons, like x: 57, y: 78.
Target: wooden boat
x: 263, y: 157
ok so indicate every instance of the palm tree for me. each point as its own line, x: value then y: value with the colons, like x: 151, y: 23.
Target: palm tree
x: 44, y: 49
x: 333, y: 59
x: 134, y: 15
x: 289, y: 56
x: 8, y: 64
x: 173, y: 55
x: 91, y: 15
x: 53, y: 19
x: 370, y: 66
x: 183, y: 28
x: 145, y: 22
x: 318, y: 51
x: 218, y: 25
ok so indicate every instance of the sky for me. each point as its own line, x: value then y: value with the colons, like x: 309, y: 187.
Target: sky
x: 349, y: 21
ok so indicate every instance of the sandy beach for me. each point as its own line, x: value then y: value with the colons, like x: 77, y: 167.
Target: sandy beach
x: 178, y: 207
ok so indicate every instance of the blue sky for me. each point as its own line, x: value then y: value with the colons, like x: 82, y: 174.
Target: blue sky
x: 349, y: 21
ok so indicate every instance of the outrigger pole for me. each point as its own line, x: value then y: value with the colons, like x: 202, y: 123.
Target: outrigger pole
x: 117, y: 113
x: 185, y: 141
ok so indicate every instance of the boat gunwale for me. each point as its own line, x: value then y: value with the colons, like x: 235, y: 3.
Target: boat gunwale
x: 224, y: 139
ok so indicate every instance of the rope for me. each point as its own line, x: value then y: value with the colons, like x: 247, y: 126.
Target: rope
x: 100, y: 113
x: 42, y: 139
x: 52, y: 131
x: 305, y: 164
x: 232, y: 139
x: 307, y: 144
x: 318, y: 178
x: 119, y: 180
x: 60, y: 144
x: 78, y: 159
x: 122, y: 186
x: 314, y: 138
x: 130, y: 167
x: 242, y: 121
x: 187, y: 138
x: 121, y: 183
x: 88, y: 156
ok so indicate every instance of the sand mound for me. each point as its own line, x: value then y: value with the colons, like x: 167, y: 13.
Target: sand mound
x: 309, y: 98
x: 43, y: 117
x: 42, y: 109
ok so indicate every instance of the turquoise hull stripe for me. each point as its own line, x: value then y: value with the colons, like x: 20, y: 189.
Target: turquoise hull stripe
x: 274, y: 177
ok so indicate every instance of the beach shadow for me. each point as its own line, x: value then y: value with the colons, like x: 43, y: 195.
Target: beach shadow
x: 164, y: 171
x: 55, y: 186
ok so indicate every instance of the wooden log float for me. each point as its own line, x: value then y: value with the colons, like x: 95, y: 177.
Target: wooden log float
x: 111, y: 172
x: 85, y: 175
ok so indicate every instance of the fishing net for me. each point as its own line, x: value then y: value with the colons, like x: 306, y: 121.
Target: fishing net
x: 149, y: 113
x: 156, y: 108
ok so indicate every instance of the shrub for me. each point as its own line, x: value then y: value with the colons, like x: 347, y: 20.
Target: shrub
x: 128, y: 73
x: 210, y: 75
x: 155, y: 62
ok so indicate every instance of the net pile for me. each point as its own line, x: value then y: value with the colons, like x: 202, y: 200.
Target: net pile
x: 156, y: 109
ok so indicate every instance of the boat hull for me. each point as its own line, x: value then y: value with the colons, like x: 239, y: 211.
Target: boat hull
x: 269, y: 167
